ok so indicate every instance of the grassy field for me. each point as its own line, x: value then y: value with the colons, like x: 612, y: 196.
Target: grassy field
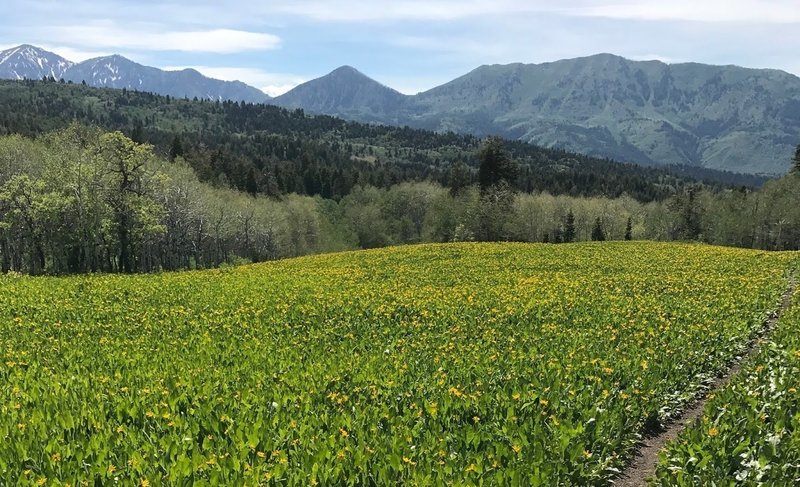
x: 750, y: 432
x: 462, y: 364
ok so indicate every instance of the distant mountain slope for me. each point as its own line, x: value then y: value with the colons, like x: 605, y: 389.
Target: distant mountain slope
x: 720, y: 117
x: 118, y: 72
x: 32, y: 63
x: 348, y: 92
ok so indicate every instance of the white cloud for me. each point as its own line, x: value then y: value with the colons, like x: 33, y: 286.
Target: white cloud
x: 420, y: 10
x: 411, y: 85
x: 744, y: 11
x: 273, y: 84
x: 149, y: 37
x: 749, y: 11
x: 463, y: 46
x: 75, y: 55
x: 654, y: 57
x: 278, y: 90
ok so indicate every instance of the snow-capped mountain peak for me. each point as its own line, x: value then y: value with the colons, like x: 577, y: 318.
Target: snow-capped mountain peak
x: 115, y: 71
x: 30, y: 62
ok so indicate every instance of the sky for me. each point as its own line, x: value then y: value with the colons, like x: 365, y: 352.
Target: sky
x: 409, y: 45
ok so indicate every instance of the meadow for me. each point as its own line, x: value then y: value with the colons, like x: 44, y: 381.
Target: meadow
x: 456, y: 364
x: 749, y: 433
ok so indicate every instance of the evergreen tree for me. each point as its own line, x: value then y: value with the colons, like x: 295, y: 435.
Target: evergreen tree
x: 796, y: 159
x: 496, y: 164
x: 495, y: 212
x: 495, y: 175
x: 458, y: 178
x: 176, y: 148
x: 629, y: 229
x: 137, y: 134
x: 598, y: 235
x: 691, y: 215
x: 251, y: 185
x: 569, y: 228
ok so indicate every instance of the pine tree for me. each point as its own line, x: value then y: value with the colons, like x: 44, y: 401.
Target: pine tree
x: 629, y: 229
x: 796, y: 159
x: 569, y: 228
x: 251, y: 185
x: 458, y: 178
x: 497, y: 166
x: 691, y: 215
x: 496, y: 176
x: 137, y: 134
x: 598, y: 235
x: 176, y: 149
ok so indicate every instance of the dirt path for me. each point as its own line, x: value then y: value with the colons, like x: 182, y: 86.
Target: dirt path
x: 643, y: 466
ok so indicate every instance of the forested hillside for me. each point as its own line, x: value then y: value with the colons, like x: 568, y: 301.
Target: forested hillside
x: 83, y: 200
x: 262, y: 149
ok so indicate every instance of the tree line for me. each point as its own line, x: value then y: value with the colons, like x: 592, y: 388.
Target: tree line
x: 80, y: 200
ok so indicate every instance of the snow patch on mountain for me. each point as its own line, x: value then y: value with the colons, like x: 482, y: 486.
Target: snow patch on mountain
x: 30, y: 62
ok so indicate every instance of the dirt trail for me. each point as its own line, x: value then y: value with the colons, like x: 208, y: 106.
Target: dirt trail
x: 643, y: 465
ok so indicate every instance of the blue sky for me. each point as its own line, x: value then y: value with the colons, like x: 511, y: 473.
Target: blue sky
x: 410, y: 45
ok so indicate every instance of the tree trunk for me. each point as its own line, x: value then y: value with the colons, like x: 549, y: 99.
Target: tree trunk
x: 6, y: 251
x: 125, y: 262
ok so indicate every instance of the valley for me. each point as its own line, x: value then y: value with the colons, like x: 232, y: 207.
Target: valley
x: 509, y: 243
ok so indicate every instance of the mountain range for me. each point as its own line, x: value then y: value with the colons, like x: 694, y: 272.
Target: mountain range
x: 30, y: 62
x: 648, y: 112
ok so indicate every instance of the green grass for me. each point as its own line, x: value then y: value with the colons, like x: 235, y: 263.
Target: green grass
x: 750, y: 431
x: 462, y: 364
